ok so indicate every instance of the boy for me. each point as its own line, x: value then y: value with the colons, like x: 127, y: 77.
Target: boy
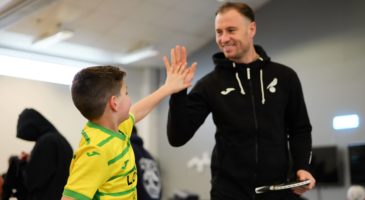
x: 103, y: 167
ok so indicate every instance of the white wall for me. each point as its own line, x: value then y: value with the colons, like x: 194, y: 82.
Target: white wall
x: 53, y: 101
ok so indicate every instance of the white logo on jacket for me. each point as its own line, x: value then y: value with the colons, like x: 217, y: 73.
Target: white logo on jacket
x: 227, y: 91
x: 271, y: 86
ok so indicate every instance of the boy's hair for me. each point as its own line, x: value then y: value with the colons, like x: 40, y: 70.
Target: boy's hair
x: 93, y: 86
x: 242, y: 8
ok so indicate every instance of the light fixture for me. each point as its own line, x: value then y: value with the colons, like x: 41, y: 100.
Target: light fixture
x: 48, y: 40
x: 345, y: 122
x: 40, y: 68
x: 138, y: 55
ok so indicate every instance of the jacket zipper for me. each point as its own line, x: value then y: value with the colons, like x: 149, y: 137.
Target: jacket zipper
x: 252, y: 98
x: 255, y: 121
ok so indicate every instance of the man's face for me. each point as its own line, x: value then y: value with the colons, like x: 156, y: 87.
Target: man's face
x: 234, y: 34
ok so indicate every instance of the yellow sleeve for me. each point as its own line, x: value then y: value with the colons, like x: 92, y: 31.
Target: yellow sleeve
x: 127, y: 126
x: 88, y: 171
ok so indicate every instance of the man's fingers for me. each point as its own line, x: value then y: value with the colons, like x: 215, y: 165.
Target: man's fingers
x: 178, y: 68
x: 312, y: 183
x: 193, y: 67
x: 182, y: 68
x: 186, y: 72
x: 300, y: 190
x: 187, y: 85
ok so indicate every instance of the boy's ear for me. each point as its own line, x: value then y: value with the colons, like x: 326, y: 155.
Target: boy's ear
x: 113, y: 103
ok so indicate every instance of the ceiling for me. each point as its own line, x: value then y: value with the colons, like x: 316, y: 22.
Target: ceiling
x: 105, y: 31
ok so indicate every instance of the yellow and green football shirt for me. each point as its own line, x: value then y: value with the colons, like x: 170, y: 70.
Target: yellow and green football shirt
x: 103, y: 167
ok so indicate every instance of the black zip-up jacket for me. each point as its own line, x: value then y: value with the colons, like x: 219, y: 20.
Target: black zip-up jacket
x: 259, y: 110
x: 47, y: 170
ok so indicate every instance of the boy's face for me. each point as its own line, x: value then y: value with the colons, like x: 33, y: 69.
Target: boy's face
x: 124, y: 102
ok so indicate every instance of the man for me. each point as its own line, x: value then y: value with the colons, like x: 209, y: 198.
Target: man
x: 13, y: 185
x: 257, y: 106
x: 47, y: 167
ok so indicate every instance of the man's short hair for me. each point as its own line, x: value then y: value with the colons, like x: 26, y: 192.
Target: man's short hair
x: 242, y: 8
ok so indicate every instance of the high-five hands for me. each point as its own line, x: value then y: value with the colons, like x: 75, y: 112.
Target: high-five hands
x: 179, y: 75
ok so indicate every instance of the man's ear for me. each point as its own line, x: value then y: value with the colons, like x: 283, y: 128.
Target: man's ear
x: 252, y: 29
x: 113, y: 103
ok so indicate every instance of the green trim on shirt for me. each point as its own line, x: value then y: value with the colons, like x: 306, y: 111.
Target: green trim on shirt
x: 125, y: 174
x: 84, y: 134
x: 105, y: 130
x: 119, y: 156
x: 103, y: 142
x: 115, y: 194
x: 74, y: 195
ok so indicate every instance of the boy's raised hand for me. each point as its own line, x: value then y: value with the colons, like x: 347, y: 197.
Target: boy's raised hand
x: 179, y: 76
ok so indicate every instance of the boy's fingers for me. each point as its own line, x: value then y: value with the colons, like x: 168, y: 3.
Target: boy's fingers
x: 183, y: 55
x: 173, y: 58
x: 167, y: 64
x: 178, y: 54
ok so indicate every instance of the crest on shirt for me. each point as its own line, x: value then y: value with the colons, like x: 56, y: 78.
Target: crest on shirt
x: 227, y: 91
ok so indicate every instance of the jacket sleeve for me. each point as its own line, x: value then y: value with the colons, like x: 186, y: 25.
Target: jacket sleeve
x: 42, y: 164
x: 187, y: 112
x: 298, y: 126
